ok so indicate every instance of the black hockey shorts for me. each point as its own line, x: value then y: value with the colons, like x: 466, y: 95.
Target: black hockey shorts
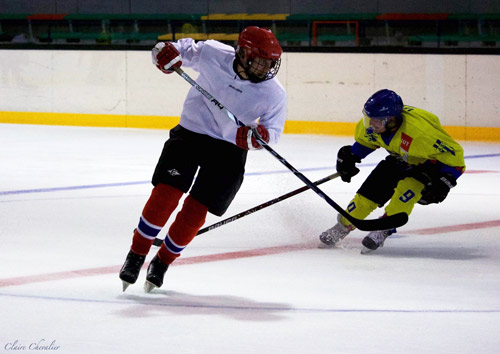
x: 221, y: 168
x: 380, y: 184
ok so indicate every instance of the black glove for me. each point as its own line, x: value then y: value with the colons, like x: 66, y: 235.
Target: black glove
x: 346, y: 163
x: 436, y: 188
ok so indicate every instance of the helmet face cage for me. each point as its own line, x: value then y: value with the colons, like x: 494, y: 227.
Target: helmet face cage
x: 259, y: 53
x: 258, y: 69
x: 367, y: 120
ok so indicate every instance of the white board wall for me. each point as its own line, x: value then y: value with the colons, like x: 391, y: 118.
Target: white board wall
x: 463, y: 90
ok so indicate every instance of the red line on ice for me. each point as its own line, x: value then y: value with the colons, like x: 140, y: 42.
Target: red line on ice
x: 455, y: 228
x: 224, y: 256
x: 181, y: 261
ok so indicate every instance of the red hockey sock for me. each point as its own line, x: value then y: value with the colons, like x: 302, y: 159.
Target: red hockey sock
x: 185, y: 227
x: 159, y: 207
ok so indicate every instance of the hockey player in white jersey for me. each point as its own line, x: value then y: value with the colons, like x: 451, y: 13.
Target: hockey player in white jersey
x: 207, y: 142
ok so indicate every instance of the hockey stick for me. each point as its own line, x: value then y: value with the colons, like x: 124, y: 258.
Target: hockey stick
x: 386, y: 223
x: 158, y: 241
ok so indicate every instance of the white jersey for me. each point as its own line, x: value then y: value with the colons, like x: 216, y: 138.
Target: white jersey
x: 264, y: 102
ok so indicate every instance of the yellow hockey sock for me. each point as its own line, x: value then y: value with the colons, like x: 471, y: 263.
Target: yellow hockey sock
x: 360, y: 207
x: 407, y: 193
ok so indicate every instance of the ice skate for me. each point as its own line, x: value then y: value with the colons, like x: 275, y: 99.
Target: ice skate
x: 156, y: 272
x: 375, y: 239
x: 131, y: 268
x: 334, y: 235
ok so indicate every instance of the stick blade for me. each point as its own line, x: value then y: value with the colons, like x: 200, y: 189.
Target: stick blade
x: 386, y: 223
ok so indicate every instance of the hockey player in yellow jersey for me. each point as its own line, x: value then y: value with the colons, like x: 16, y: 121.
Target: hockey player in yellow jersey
x: 423, y: 164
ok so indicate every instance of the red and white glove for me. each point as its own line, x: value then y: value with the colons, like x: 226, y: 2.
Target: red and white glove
x: 245, y: 138
x: 166, y: 57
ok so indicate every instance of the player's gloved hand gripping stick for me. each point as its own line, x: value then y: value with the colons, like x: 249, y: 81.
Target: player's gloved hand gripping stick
x: 385, y: 223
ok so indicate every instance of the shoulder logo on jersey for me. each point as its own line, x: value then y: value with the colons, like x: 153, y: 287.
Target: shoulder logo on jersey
x: 442, y: 147
x: 405, y: 146
x: 370, y: 136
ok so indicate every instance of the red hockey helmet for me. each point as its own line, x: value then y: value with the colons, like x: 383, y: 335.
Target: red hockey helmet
x: 259, y: 53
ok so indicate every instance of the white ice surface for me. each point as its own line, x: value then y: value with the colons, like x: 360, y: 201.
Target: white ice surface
x: 70, y: 198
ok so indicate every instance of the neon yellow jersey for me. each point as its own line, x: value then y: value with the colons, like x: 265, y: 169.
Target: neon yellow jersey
x: 419, y: 138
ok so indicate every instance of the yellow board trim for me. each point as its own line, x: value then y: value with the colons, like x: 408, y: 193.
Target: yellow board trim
x: 89, y: 120
x: 490, y: 134
x: 326, y: 128
x: 244, y: 16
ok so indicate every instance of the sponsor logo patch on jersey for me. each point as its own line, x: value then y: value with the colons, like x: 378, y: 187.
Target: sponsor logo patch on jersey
x: 405, y: 142
x: 405, y: 145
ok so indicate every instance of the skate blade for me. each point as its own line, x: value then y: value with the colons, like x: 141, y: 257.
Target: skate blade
x: 125, y: 285
x: 365, y: 250
x: 325, y: 246
x: 148, y: 286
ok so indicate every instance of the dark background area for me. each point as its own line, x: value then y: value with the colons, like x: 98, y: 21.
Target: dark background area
x: 364, y: 26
